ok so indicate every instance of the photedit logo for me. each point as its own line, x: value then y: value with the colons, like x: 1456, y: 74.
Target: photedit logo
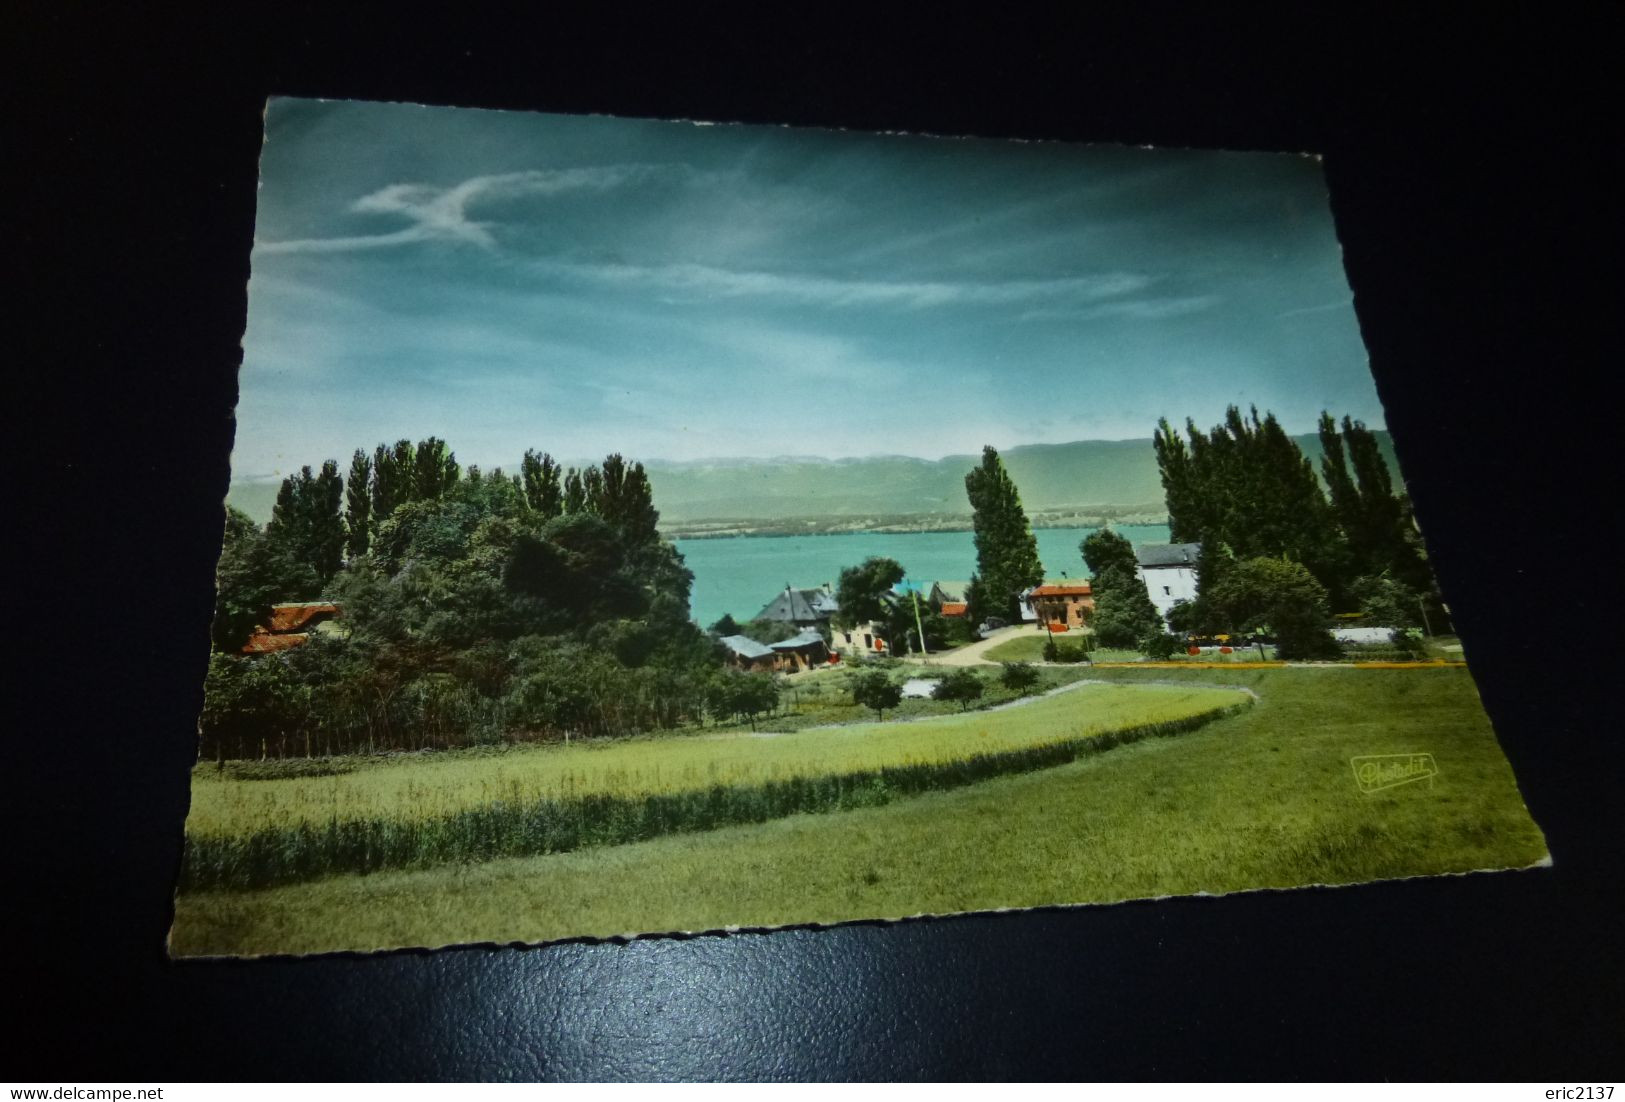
x: 1374, y: 772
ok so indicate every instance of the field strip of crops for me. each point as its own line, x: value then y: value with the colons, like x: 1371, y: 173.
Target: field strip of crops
x: 433, y: 787
x: 639, y: 794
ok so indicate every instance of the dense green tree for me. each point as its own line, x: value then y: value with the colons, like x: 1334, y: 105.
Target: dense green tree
x: 1161, y: 646
x: 1006, y: 551
x: 873, y: 689
x: 306, y: 520
x: 573, y: 567
x: 392, y: 481
x: 434, y: 469
x: 1123, y: 614
x: 1276, y: 597
x: 254, y: 573
x: 864, y: 592
x: 621, y: 495
x: 1186, y: 517
x: 1384, y: 601
x: 1104, y: 550
x: 727, y: 625
x: 470, y: 615
x: 905, y: 617
x: 575, y: 493
x: 358, y: 505
x: 1244, y: 489
x: 1018, y: 676
x: 961, y: 686
x: 732, y: 693
x: 541, y: 477
x: 592, y: 488
x: 1376, y: 521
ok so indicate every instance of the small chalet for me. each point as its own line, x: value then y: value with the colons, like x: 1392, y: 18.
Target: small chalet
x: 802, y: 608
x: 745, y: 653
x: 800, y: 652
x: 291, y: 625
x: 1169, y: 573
x: 1063, y: 606
x: 949, y: 598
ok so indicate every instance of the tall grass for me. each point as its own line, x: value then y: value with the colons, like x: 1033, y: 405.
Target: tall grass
x: 286, y: 853
x: 436, y: 785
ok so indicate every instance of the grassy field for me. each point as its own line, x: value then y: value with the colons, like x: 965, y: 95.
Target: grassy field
x: 415, y: 811
x: 413, y: 786
x: 1265, y: 798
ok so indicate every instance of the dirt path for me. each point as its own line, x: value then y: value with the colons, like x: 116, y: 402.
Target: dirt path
x: 972, y: 655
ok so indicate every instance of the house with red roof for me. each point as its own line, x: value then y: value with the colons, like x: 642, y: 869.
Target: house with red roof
x: 291, y: 625
x: 1063, y: 606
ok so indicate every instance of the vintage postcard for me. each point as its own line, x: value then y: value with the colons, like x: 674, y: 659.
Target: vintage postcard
x: 645, y: 526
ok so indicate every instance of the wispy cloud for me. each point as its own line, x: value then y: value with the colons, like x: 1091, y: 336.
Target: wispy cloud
x: 1138, y: 309
x: 1324, y: 307
x: 443, y: 213
x: 798, y: 289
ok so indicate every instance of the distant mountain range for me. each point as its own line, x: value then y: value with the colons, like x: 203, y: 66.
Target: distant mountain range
x: 1081, y: 477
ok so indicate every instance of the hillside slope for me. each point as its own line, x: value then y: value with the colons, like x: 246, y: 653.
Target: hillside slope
x: 1081, y: 474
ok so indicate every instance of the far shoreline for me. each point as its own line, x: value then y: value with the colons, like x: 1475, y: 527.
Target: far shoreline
x: 712, y: 529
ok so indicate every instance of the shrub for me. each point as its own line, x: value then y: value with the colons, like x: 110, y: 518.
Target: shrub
x: 1018, y: 677
x: 875, y: 690
x: 1410, y: 642
x: 1160, y: 646
x: 1069, y: 652
x: 962, y: 686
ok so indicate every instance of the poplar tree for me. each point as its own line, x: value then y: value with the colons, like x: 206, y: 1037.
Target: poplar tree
x: 306, y: 522
x: 1244, y: 490
x: 434, y: 469
x: 592, y: 489
x: 541, y: 483
x: 358, y: 504
x: 626, y: 501
x: 1006, y: 552
x: 391, y: 478
x: 1376, y: 521
x: 575, y: 493
x: 1178, y: 483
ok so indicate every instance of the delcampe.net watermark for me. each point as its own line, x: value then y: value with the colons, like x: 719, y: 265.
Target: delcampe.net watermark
x: 1375, y: 772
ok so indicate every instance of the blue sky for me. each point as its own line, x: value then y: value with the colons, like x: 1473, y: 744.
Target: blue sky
x: 680, y: 291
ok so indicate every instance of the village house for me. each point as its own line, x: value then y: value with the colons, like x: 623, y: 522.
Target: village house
x: 291, y: 625
x: 1063, y: 605
x: 745, y: 653
x: 800, y: 652
x: 1168, y: 571
x: 948, y: 598
x: 801, y: 608
x: 860, y: 640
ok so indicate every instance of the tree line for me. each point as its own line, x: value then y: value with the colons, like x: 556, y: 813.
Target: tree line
x: 1283, y: 549
x: 476, y: 607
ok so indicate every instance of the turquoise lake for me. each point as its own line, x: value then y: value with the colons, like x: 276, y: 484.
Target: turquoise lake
x: 740, y: 575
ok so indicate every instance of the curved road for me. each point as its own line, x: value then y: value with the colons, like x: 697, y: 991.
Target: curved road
x: 975, y: 653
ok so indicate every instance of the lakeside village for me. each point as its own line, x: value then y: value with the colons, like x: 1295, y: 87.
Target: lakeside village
x: 416, y: 604
x: 800, y: 629
x: 471, y: 707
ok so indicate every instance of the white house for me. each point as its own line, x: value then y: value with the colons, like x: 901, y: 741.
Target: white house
x: 863, y: 639
x: 1169, y: 573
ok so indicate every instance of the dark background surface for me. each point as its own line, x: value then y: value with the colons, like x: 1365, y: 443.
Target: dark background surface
x: 1474, y: 171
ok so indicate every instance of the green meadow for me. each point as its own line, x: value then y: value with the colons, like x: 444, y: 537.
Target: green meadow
x: 416, y: 810
x: 1261, y: 797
